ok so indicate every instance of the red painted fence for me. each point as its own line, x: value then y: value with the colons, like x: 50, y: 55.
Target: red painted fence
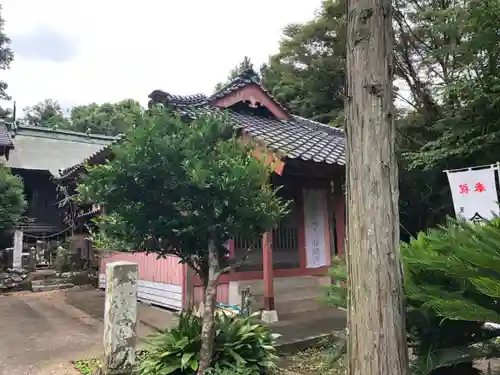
x: 164, y: 270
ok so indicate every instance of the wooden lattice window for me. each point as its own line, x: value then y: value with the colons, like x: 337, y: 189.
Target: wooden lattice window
x: 285, y: 241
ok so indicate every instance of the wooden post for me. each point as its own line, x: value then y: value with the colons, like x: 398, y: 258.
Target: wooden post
x: 339, y: 207
x: 189, y: 301
x: 267, y: 260
x: 269, y: 314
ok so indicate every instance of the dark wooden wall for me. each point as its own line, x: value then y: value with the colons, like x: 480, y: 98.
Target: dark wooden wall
x: 41, y: 194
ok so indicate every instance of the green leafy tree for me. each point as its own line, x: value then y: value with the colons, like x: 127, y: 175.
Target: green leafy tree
x: 308, y: 72
x: 185, y: 189
x: 108, y: 118
x: 12, y: 200
x: 467, y: 130
x: 47, y: 113
x: 445, y: 64
x: 447, y: 54
x: 6, y: 57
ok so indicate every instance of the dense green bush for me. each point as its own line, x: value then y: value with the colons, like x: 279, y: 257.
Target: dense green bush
x: 452, y: 285
x: 239, y: 343
x: 12, y: 200
x: 174, y: 351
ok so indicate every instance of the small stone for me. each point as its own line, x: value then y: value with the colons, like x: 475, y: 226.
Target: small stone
x: 16, y: 278
x: 9, y: 283
x: 4, y: 275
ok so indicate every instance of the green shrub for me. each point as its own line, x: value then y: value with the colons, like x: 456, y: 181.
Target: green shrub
x: 452, y: 285
x: 174, y: 351
x: 13, y: 203
x: 239, y: 343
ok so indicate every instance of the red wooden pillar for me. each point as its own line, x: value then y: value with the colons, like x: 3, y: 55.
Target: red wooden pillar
x: 339, y: 207
x: 267, y: 262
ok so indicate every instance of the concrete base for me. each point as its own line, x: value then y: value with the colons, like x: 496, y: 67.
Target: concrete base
x: 269, y: 316
x: 291, y: 294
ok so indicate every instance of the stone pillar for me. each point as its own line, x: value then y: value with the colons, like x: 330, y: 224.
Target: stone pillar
x: 17, y: 251
x: 32, y: 258
x: 120, y: 317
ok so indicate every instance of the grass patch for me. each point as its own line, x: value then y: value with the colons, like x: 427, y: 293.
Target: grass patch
x: 307, y: 362
x: 87, y: 366
x: 314, y: 362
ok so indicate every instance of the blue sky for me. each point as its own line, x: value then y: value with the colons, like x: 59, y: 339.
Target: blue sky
x: 83, y: 51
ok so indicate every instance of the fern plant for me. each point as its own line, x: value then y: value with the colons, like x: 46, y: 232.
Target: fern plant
x: 452, y: 285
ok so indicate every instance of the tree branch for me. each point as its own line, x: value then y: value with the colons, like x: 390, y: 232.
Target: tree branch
x: 236, y: 263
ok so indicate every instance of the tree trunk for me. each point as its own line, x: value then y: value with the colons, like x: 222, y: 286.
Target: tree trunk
x: 208, y: 329
x: 376, y: 317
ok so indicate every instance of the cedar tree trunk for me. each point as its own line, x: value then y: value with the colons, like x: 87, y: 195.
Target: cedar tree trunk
x: 377, y: 335
x: 208, y: 328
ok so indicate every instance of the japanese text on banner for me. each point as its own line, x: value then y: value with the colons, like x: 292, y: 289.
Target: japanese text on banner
x: 474, y: 194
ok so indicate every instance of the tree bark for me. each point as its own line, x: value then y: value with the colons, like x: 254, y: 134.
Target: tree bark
x: 208, y: 328
x: 376, y: 317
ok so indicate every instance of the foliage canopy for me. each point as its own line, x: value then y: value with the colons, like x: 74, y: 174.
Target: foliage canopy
x: 12, y: 201
x: 107, y: 118
x: 173, y: 185
x: 6, y: 57
x: 452, y: 287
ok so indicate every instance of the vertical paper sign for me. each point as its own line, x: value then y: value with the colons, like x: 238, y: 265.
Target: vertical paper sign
x: 474, y: 194
x: 314, y: 218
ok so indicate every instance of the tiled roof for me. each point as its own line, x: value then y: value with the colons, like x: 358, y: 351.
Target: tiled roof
x: 297, y: 138
x: 5, y: 140
x: 159, y: 96
x: 38, y: 148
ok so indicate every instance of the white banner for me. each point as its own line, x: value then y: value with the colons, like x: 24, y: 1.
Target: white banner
x: 474, y: 194
x: 315, y: 206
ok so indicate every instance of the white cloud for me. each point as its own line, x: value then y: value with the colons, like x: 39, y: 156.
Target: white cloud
x: 126, y: 49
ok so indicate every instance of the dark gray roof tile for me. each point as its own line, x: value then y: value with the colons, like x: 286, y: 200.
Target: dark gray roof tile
x: 5, y: 140
x: 296, y: 138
